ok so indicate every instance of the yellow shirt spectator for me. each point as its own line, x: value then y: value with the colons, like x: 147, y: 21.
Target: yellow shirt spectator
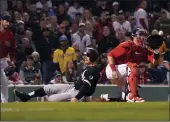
x: 63, y: 58
x: 162, y: 49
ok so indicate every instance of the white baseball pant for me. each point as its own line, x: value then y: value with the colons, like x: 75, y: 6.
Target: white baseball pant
x: 60, y: 92
x: 122, y: 70
x: 4, y: 80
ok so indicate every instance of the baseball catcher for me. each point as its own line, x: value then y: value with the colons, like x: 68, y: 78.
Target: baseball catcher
x: 126, y: 63
x: 84, y: 86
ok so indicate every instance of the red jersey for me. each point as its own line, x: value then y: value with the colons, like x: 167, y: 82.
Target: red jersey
x: 7, y: 45
x: 129, y: 52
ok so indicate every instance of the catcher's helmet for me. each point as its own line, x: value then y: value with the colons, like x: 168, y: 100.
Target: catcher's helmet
x: 139, y: 32
x: 154, y: 41
x: 92, y: 54
x: 9, y: 71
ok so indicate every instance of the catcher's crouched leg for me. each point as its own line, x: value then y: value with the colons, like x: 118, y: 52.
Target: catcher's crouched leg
x: 133, y: 80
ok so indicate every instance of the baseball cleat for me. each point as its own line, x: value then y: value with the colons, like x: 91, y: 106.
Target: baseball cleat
x: 21, y: 95
x: 104, y: 97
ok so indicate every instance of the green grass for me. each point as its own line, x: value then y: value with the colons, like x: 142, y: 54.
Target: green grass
x: 91, y: 111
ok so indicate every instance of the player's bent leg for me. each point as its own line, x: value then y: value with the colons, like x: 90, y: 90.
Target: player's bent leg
x: 56, y: 88
x: 59, y: 97
x: 133, y: 80
x: 4, y: 87
x: 122, y: 71
x: 64, y: 95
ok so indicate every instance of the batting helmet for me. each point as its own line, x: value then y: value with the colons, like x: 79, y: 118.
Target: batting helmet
x: 92, y: 54
x: 154, y: 41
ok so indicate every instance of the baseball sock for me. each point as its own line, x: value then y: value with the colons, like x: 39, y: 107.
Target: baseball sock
x: 37, y: 93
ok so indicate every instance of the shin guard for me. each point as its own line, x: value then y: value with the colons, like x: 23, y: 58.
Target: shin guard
x: 133, y: 80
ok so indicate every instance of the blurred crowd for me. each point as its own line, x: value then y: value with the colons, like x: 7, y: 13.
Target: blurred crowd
x: 50, y: 35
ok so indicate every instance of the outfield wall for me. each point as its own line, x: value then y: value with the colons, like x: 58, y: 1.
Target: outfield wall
x: 148, y: 92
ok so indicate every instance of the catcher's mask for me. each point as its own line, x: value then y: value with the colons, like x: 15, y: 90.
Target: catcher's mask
x: 140, y: 36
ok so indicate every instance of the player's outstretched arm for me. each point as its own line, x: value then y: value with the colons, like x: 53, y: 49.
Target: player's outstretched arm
x: 81, y: 93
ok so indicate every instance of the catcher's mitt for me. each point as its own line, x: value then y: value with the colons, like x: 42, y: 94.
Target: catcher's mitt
x: 154, y: 41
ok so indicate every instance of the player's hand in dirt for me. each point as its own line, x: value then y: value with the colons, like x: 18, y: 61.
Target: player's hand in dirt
x: 73, y: 100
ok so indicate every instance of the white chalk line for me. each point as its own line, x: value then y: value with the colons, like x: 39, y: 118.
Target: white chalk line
x: 26, y: 109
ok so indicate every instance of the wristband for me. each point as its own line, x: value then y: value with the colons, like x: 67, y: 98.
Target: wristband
x: 113, y: 67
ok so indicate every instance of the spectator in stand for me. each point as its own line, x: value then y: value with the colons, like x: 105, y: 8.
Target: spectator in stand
x: 44, y: 4
x: 27, y: 47
x: 103, y: 8
x: 16, y: 17
x: 141, y: 15
x: 45, y: 45
x: 98, y: 29
x: 115, y: 8
x: 121, y: 26
x: 29, y: 74
x: 36, y: 58
x: 132, y: 22
x: 4, y: 6
x: 62, y: 14
x: 57, y: 78
x: 54, y: 24
x: 47, y: 23
x: 26, y: 19
x: 43, y: 15
x: 21, y: 30
x: 73, y: 28
x: 15, y: 79
x: 70, y: 73
x: 81, y: 38
x: 23, y: 50
x: 89, y: 30
x: 108, y: 41
x: 113, y: 18
x: 78, y: 17
x: 20, y: 7
x: 163, y: 22
x: 63, y: 55
x: 95, y: 9
x: 36, y: 61
x: 67, y: 25
x: 87, y: 16
x: 62, y: 31
x: 28, y: 34
x: 76, y: 8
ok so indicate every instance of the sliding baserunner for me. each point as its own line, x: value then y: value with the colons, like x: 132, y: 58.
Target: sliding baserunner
x: 84, y: 86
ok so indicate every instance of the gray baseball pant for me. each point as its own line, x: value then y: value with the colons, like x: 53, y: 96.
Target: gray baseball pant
x: 4, y: 80
x: 60, y: 92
